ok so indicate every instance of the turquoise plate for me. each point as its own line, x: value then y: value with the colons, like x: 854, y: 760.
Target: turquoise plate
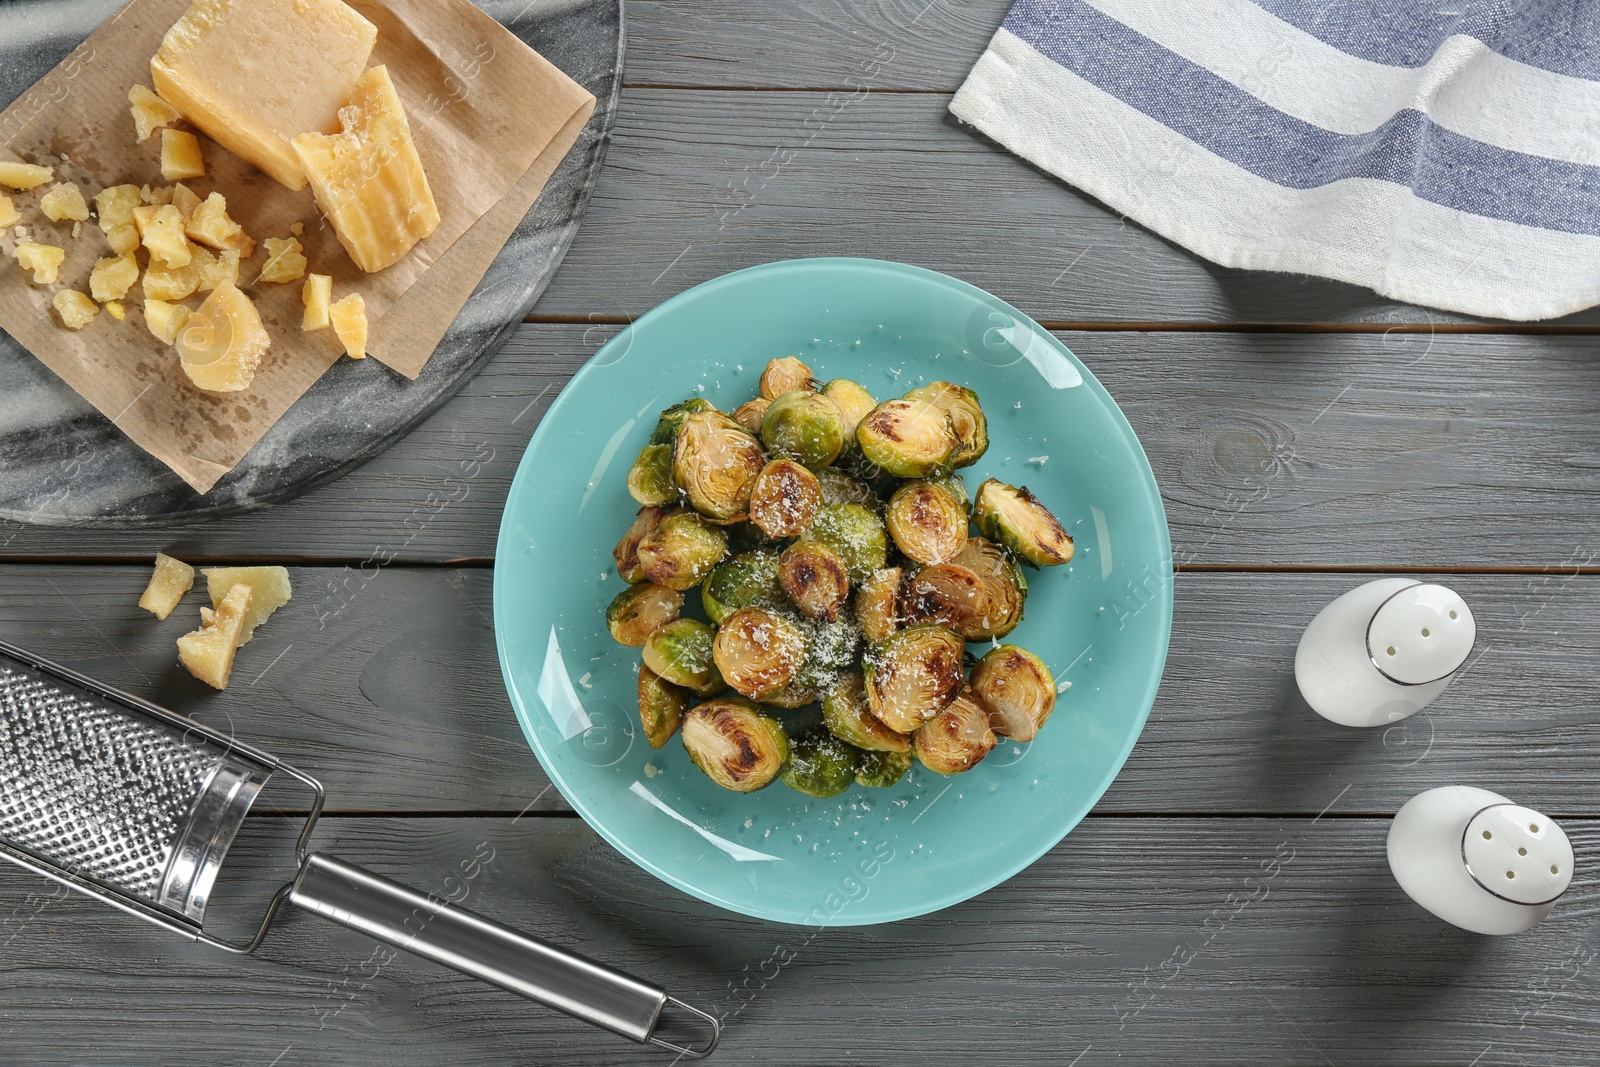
x: 870, y: 855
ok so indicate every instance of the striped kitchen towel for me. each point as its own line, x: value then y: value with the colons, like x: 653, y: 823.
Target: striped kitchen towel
x: 1442, y: 152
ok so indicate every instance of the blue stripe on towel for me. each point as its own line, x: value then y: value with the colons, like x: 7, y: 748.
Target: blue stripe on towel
x: 1438, y: 165
x: 1554, y: 35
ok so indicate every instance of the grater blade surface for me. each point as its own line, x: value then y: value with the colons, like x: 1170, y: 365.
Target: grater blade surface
x: 108, y: 793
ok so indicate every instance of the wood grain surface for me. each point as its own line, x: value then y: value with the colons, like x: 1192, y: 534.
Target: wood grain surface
x: 1228, y: 902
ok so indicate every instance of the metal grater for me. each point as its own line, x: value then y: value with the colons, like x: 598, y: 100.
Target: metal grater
x: 136, y: 806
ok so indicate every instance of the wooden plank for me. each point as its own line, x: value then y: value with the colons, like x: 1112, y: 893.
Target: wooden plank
x: 1271, y: 449
x: 808, y: 44
x: 698, y: 183
x: 385, y: 685
x: 1240, y: 942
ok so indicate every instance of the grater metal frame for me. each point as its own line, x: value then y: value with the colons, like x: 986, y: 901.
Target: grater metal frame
x: 188, y: 928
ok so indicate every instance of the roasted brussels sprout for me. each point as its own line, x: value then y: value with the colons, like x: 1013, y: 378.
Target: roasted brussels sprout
x: 848, y: 715
x: 749, y: 579
x: 944, y: 592
x: 840, y: 488
x: 666, y: 431
x: 626, y: 554
x: 804, y: 426
x: 681, y: 550
x: 820, y: 765
x: 759, y: 652
x: 1016, y: 689
x: 750, y: 413
x: 734, y: 744
x: 680, y: 652
x: 639, y: 611
x: 784, y: 499
x: 661, y: 707
x: 966, y: 418
x: 854, y: 403
x: 956, y: 739
x: 715, y: 463
x: 927, y: 522
x: 815, y: 578
x: 831, y: 647
x: 650, y: 477
x: 855, y: 533
x: 913, y: 675
x: 880, y: 770
x: 1017, y: 520
x: 878, y: 604
x: 908, y: 438
x: 784, y: 375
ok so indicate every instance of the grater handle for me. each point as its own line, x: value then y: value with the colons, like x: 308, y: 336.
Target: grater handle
x: 437, y: 930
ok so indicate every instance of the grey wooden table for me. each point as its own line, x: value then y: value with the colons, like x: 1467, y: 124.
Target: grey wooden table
x: 1306, y: 434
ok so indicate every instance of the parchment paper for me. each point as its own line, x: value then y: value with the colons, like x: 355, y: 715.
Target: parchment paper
x: 491, y: 119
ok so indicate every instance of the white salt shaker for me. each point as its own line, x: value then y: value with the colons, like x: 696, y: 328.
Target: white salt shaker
x: 1383, y: 651
x: 1477, y: 860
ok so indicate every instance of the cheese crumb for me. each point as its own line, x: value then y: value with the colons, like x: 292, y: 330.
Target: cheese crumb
x: 44, y: 260
x: 150, y: 112
x: 349, y: 319
x: 75, y: 309
x: 223, y: 342
x: 163, y: 233
x: 115, y: 309
x: 162, y: 282
x: 113, y: 277
x: 171, y: 579
x: 9, y: 216
x: 164, y: 320
x: 316, y: 294
x: 211, y: 226
x: 23, y: 176
x: 285, y: 263
x: 180, y: 155
x: 64, y: 201
x: 184, y: 200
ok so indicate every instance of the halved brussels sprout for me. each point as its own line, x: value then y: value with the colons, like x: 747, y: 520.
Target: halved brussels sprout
x: 908, y: 438
x: 784, y: 499
x: 966, y: 417
x: 1004, y: 590
x: 840, y: 488
x: 661, y: 707
x: 880, y: 770
x: 1016, y: 689
x: 855, y: 533
x: 820, y: 765
x: 815, y: 578
x: 948, y: 594
x: 913, y: 675
x: 956, y: 739
x: 847, y: 713
x: 749, y: 579
x: 666, y: 431
x: 784, y: 376
x: 831, y: 647
x: 957, y: 487
x: 750, y: 413
x: 759, y: 652
x: 715, y: 462
x: 650, y: 477
x: 854, y: 402
x: 1016, y: 519
x: 626, y: 554
x: 639, y: 611
x: 791, y: 697
x: 878, y: 604
x: 681, y: 550
x: 804, y: 426
x: 680, y: 652
x: 927, y: 522
x: 734, y: 744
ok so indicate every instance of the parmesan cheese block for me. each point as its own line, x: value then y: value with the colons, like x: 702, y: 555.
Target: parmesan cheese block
x: 368, y: 177
x: 254, y: 74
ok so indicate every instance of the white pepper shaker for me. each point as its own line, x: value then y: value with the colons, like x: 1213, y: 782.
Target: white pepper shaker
x: 1478, y: 861
x: 1383, y: 651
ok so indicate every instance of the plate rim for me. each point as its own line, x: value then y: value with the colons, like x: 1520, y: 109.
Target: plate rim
x: 847, y: 917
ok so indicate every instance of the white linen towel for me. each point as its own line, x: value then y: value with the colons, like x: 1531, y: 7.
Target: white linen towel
x: 1440, y: 153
